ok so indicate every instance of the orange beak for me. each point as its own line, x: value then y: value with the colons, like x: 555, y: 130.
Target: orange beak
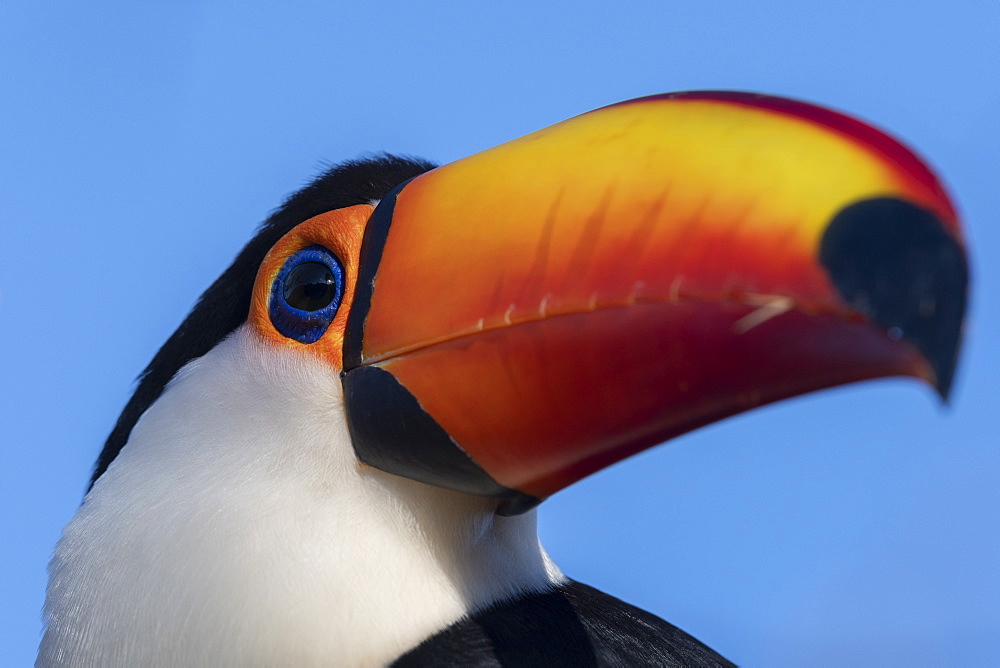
x: 533, y: 313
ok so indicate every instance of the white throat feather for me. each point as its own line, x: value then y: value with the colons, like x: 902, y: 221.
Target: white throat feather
x: 237, y: 527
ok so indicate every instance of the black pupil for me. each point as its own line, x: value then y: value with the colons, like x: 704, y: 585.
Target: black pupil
x: 310, y: 286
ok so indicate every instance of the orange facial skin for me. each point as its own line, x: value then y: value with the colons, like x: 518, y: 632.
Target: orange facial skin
x: 341, y: 232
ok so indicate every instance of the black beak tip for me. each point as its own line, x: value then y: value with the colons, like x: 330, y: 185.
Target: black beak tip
x: 896, y: 263
x: 944, y: 364
x: 943, y: 385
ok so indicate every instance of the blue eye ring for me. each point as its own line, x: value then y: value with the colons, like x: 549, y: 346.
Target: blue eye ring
x: 306, y: 294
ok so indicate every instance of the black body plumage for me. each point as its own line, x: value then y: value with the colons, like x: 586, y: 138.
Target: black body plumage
x: 572, y: 626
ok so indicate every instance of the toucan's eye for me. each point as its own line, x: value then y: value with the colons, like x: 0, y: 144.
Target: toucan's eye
x: 310, y: 286
x: 306, y: 294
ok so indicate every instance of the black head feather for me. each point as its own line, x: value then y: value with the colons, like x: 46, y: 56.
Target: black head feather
x: 225, y: 305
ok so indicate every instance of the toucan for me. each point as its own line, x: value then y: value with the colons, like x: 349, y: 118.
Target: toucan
x: 336, y: 459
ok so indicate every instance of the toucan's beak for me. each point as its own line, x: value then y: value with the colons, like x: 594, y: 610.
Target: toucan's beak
x: 535, y: 312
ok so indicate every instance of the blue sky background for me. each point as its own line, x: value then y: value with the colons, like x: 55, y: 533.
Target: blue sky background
x: 141, y: 143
